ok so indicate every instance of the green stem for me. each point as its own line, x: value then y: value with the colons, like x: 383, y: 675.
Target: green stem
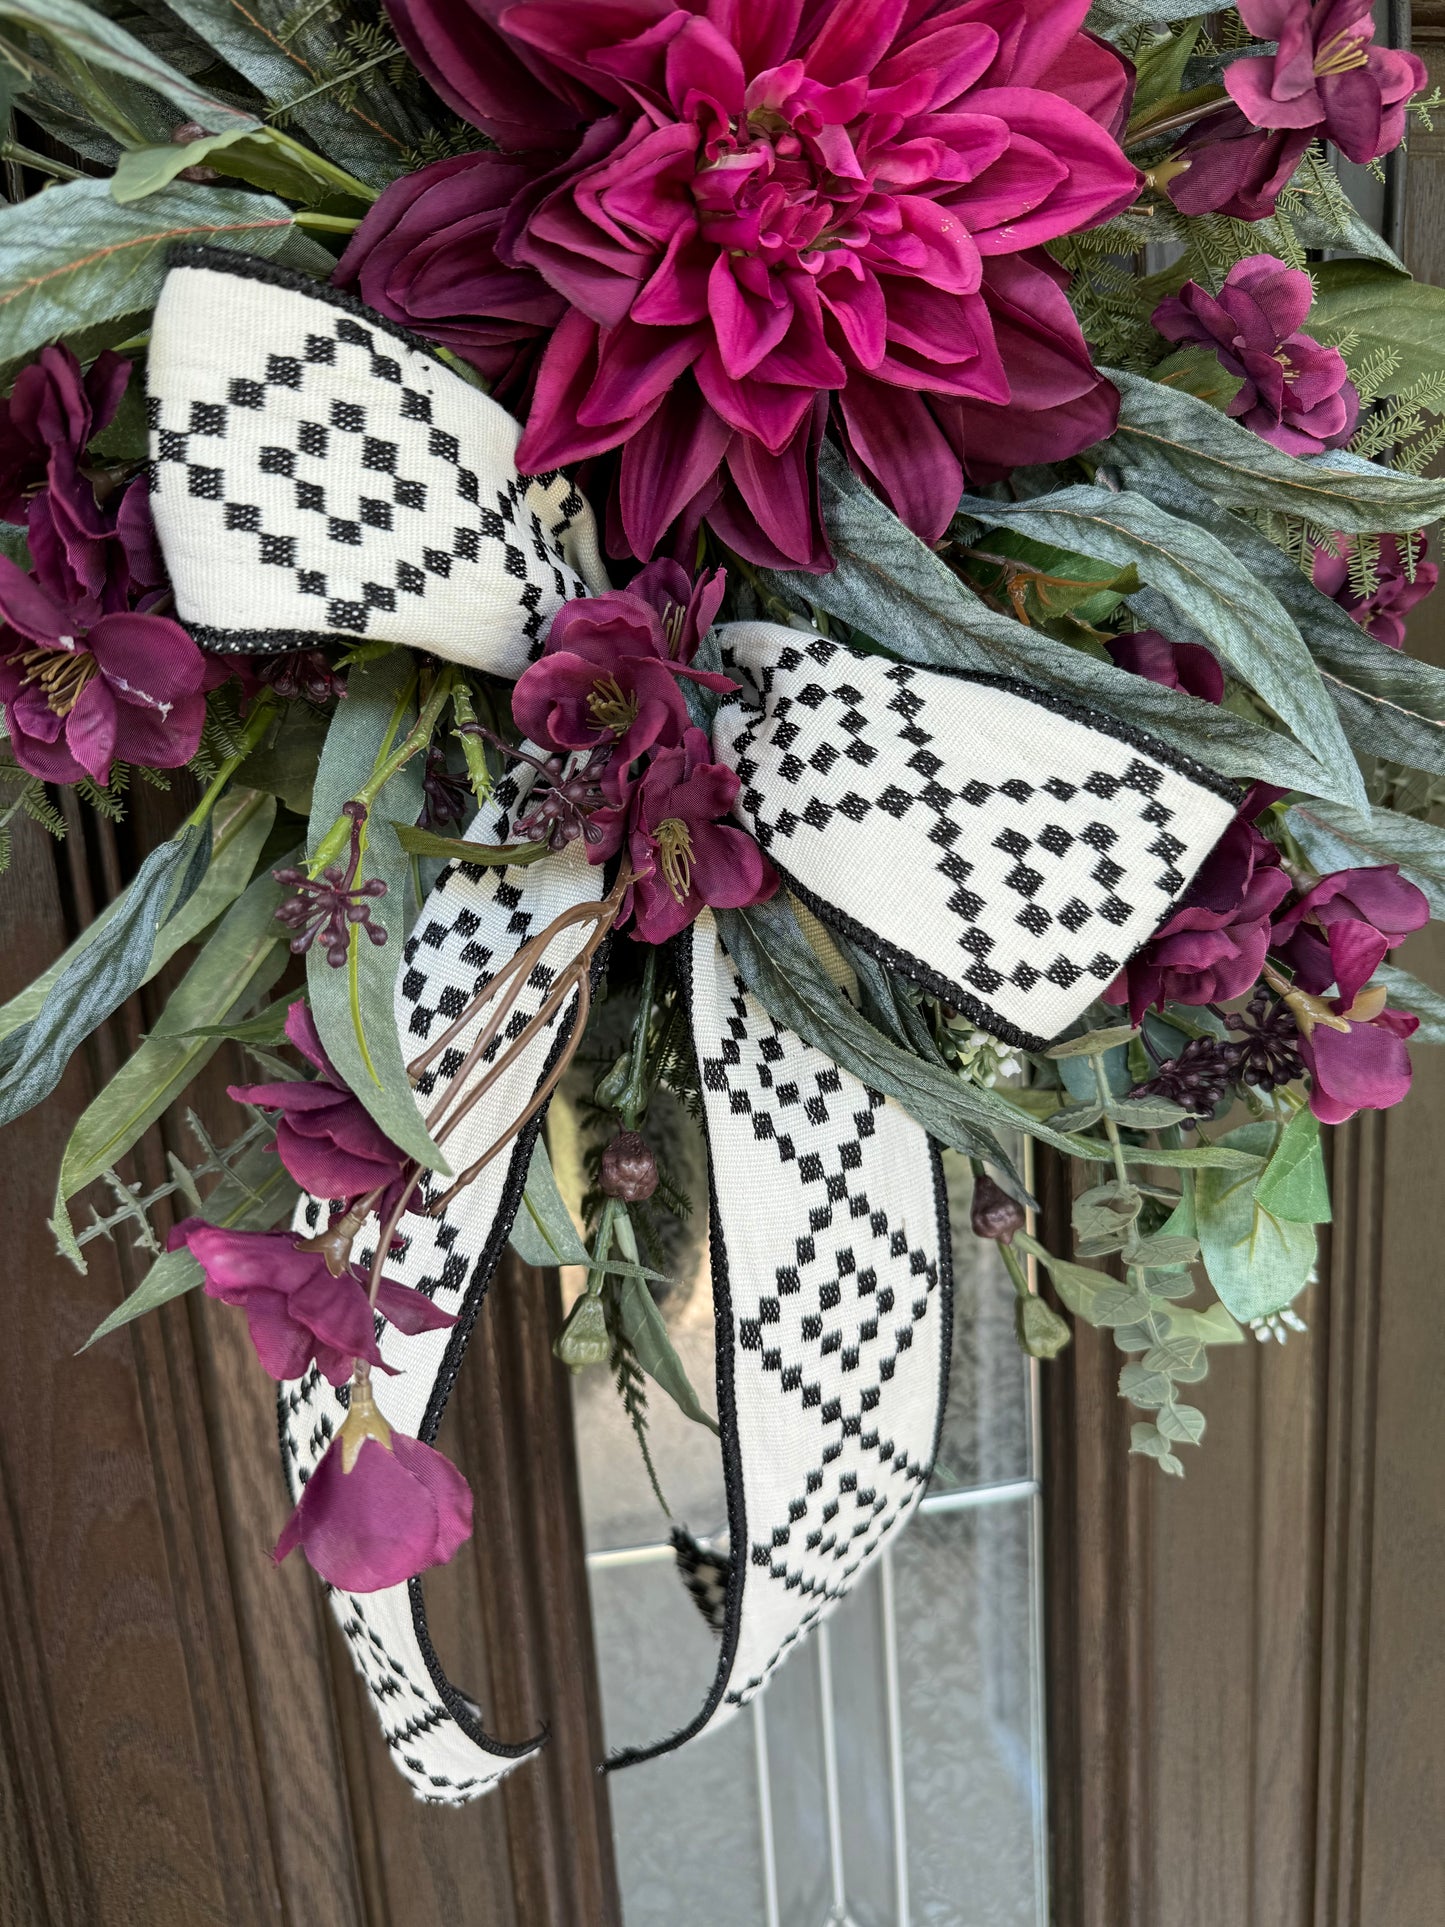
x: 1111, y: 1129
x: 329, y: 223
x: 632, y: 1104
x: 325, y: 169
x: 416, y: 738
x: 1187, y: 109
x: 602, y: 1246
x: 254, y: 729
x: 42, y: 163
x: 465, y: 711
x: 1018, y: 1277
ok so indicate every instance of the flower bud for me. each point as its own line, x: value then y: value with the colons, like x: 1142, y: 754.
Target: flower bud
x: 1041, y: 1331
x: 584, y: 1339
x: 994, y: 1214
x: 629, y: 1170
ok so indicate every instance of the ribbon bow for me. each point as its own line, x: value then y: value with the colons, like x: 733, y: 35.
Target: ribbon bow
x: 319, y: 472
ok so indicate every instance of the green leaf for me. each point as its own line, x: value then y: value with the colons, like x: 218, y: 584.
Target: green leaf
x: 241, y: 829
x: 354, y: 1005
x: 1198, y: 371
x: 1383, y: 309
x: 1214, y: 1326
x: 452, y: 849
x: 1257, y: 1262
x: 1408, y: 993
x: 1183, y: 1424
x: 647, y: 1334
x: 1149, y: 1442
x: 1118, y: 1304
x: 84, y: 32
x: 1293, y: 1184
x: 1180, y: 1356
x: 268, y: 1026
x: 1145, y: 1388
x: 1318, y: 225
x: 1052, y: 581
x: 1390, y: 704
x: 543, y: 1233
x: 1161, y: 427
x: 252, y: 154
x: 1148, y: 1113
x: 256, y: 1195
x: 1222, y: 599
x: 1159, y: 64
x: 896, y: 590
x: 71, y: 257
x: 1103, y: 1218
x: 1093, y: 1043
x: 101, y: 976
x: 243, y: 959
x: 1162, y: 1252
x: 1334, y: 838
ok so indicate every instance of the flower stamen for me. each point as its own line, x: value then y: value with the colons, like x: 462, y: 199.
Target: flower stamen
x: 609, y: 706
x: 1342, y: 53
x: 675, y: 856
x: 61, y: 673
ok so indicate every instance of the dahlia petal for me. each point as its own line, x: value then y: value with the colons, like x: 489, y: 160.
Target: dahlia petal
x: 759, y: 409
x: 480, y: 74
x: 553, y: 437
x: 636, y: 367
x: 782, y: 494
x: 703, y: 65
x: 895, y: 442
x: 747, y: 326
x: 852, y: 39
x: 763, y: 31
x: 952, y: 59
x: 666, y: 463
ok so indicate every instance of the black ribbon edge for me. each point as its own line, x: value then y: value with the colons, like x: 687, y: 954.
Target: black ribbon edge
x: 724, y: 1347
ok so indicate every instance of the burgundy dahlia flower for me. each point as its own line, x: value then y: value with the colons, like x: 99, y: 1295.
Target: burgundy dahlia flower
x: 1341, y: 930
x: 1296, y: 393
x: 1382, y: 612
x: 379, y: 1508
x: 1213, y: 947
x: 683, y: 855
x: 1177, y: 665
x: 82, y: 688
x: 326, y: 1138
x: 297, y: 1308
x: 609, y: 674
x: 1326, y: 76
x: 52, y: 413
x: 1362, y: 1067
x: 759, y: 218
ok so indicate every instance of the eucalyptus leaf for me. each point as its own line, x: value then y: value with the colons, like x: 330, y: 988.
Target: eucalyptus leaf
x: 243, y: 958
x: 646, y: 1332
x: 1293, y: 1184
x: 71, y: 257
x: 84, y: 32
x: 1149, y: 1442
x: 1147, y: 1389
x: 1162, y: 427
x: 101, y: 975
x: 1148, y: 1113
x: 1221, y: 597
x: 1257, y: 1263
x: 1181, y: 1356
x: 354, y: 1004
x: 896, y: 590
x: 1214, y: 1326
x: 256, y: 1195
x: 1183, y: 1424
x: 241, y: 829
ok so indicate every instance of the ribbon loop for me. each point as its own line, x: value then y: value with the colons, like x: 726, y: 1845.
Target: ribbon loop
x: 997, y: 844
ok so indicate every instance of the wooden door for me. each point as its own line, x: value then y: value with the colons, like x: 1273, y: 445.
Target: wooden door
x: 182, y: 1737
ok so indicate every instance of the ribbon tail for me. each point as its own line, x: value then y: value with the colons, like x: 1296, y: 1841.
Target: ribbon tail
x: 473, y: 924
x: 833, y: 1293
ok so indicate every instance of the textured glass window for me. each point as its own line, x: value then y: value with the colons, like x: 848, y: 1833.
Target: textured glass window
x: 892, y: 1775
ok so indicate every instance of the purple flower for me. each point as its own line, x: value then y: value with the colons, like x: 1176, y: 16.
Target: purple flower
x: 609, y: 675
x: 1341, y: 929
x: 1296, y: 393
x: 326, y: 908
x: 326, y: 1138
x: 1177, y: 665
x: 1213, y: 947
x: 82, y: 689
x: 1362, y: 1066
x: 684, y: 857
x: 1235, y: 168
x: 426, y: 255
x: 297, y: 1308
x: 297, y: 673
x: 1382, y: 612
x: 1327, y: 75
x: 53, y: 411
x: 750, y: 210
x: 379, y: 1508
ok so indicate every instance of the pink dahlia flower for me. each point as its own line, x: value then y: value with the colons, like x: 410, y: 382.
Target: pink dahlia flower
x: 1295, y: 392
x: 1327, y: 75
x: 379, y: 1508
x: 764, y: 217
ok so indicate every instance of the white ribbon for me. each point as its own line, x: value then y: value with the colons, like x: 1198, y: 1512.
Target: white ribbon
x: 319, y: 473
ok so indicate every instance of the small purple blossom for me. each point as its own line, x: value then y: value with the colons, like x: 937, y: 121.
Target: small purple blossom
x: 325, y: 1136
x: 563, y: 805
x: 1361, y: 1065
x: 1267, y: 1047
x: 1197, y: 1080
x: 1326, y: 77
x: 325, y: 908
x: 444, y: 797
x: 300, y: 673
x: 379, y: 1508
x: 1295, y: 393
x: 1397, y: 589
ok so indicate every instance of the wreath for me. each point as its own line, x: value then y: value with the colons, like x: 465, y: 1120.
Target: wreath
x: 825, y: 579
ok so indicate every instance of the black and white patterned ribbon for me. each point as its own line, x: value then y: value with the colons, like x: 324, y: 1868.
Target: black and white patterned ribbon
x: 317, y: 472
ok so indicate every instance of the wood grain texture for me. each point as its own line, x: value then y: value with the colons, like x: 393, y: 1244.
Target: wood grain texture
x: 183, y: 1739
